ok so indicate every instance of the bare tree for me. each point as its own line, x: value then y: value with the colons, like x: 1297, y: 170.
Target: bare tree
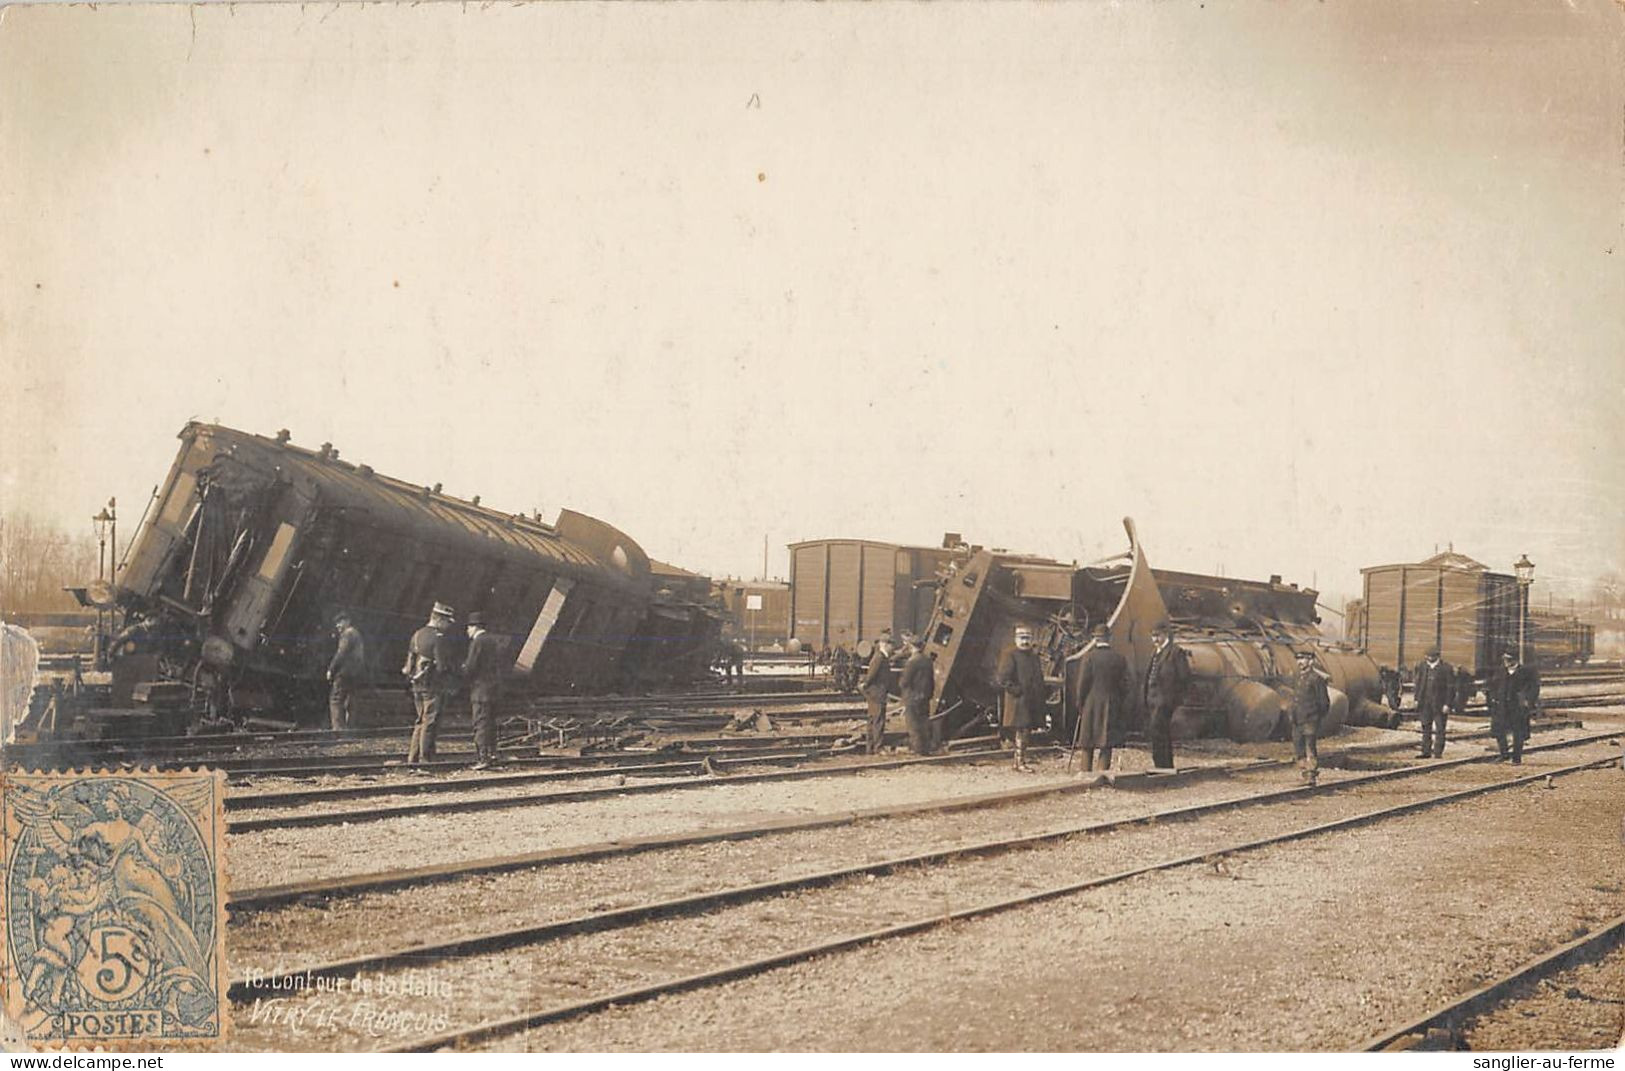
x: 38, y: 560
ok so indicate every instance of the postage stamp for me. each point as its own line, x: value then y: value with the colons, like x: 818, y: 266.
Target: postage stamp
x: 114, y: 892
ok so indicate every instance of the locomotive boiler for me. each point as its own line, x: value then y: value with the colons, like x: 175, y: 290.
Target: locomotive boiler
x: 253, y: 546
x: 1240, y: 636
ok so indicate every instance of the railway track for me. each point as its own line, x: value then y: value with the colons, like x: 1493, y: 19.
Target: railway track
x: 272, y: 801
x: 702, y: 772
x: 515, y: 936
x: 1451, y: 1016
x: 887, y: 913
x: 603, y: 761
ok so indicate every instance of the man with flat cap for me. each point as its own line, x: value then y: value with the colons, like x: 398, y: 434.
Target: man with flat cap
x: 877, y: 684
x: 1167, y: 679
x: 345, y: 671
x: 428, y: 669
x: 1435, y: 690
x: 918, y: 684
x: 482, y: 669
x: 1025, y: 692
x: 1514, y: 692
x: 1100, y: 696
x: 1309, y: 702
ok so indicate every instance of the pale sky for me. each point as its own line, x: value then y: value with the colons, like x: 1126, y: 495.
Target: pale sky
x: 1300, y: 286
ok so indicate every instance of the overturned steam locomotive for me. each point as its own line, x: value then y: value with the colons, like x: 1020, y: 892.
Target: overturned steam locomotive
x: 254, y: 545
x: 1240, y: 636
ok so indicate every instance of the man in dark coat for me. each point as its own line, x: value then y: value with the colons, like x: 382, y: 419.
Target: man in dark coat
x: 878, y: 682
x: 1435, y: 690
x: 345, y: 671
x: 919, y: 683
x: 1167, y: 679
x: 482, y: 669
x: 1514, y: 692
x: 1020, y: 677
x: 1308, y: 705
x: 429, y: 669
x: 1101, y: 700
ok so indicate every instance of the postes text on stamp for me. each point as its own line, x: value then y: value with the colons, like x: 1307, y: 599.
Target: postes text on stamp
x: 113, y: 887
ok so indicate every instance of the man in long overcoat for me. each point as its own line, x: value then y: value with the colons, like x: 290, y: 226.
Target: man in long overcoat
x: 1167, y: 679
x: 1101, y: 699
x: 1435, y: 690
x: 1025, y: 692
x: 1514, y: 691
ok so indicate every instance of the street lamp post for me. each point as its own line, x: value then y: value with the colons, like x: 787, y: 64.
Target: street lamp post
x: 1524, y: 569
x: 112, y: 541
x: 103, y: 522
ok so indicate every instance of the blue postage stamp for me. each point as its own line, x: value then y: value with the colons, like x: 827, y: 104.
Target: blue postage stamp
x: 114, y: 894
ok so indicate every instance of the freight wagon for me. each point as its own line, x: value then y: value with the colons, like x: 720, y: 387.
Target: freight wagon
x: 1448, y: 601
x: 846, y: 592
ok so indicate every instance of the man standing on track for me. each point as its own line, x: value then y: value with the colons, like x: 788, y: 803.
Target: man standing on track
x: 482, y: 669
x: 1310, y: 702
x: 1021, y: 676
x: 1167, y: 678
x: 918, y: 685
x: 877, y: 684
x: 1514, y: 690
x: 1101, y: 700
x: 429, y: 666
x: 1435, y: 690
x: 345, y: 671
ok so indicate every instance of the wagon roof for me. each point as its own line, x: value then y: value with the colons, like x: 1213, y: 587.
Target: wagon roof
x: 438, y: 517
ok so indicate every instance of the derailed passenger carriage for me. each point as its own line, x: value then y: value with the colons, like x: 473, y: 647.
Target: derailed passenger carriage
x: 254, y: 545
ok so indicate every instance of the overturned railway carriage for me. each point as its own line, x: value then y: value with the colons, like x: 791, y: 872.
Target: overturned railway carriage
x: 1240, y: 636
x: 254, y: 545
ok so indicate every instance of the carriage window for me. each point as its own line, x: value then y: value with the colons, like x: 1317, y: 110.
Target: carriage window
x: 180, y: 500
x: 278, y: 552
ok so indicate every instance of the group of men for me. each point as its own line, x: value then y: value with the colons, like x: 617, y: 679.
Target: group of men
x: 1098, y: 694
x: 433, y: 672
x: 1513, y: 691
x: 916, y: 684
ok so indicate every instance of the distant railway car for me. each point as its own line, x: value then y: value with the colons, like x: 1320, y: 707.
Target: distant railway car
x: 758, y: 611
x: 1560, y: 640
x: 1448, y: 601
x: 254, y: 545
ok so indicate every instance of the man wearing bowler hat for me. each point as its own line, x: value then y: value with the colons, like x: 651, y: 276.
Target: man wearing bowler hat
x: 482, y: 669
x: 1435, y: 690
x: 428, y: 669
x: 1514, y: 692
